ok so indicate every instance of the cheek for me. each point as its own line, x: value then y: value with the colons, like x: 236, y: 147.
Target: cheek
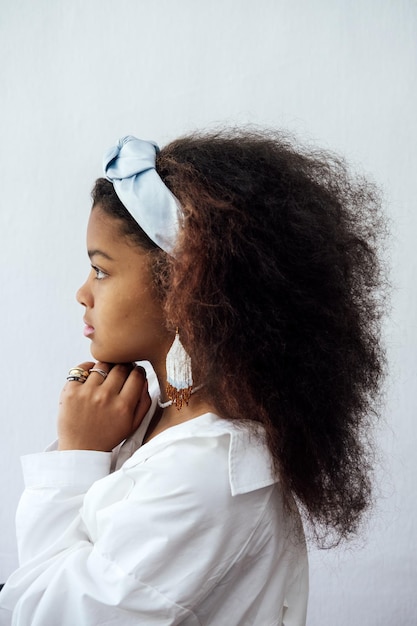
x: 140, y: 304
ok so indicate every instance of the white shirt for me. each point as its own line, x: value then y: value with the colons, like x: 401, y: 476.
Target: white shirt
x: 190, y: 530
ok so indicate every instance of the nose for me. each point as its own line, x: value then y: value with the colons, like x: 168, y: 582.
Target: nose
x: 83, y: 295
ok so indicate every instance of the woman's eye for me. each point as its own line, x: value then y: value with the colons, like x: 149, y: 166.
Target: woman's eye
x: 99, y: 273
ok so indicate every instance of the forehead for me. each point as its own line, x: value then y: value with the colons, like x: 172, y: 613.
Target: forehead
x: 105, y: 233
x: 100, y: 223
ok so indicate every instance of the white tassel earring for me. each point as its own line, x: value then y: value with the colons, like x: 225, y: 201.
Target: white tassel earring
x: 179, y: 374
x: 179, y: 385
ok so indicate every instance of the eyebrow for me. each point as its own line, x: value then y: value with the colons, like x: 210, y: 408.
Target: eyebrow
x: 97, y: 252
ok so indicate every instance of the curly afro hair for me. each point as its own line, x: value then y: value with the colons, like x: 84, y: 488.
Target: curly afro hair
x: 278, y: 290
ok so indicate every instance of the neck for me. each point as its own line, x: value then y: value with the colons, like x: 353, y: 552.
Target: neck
x: 171, y: 416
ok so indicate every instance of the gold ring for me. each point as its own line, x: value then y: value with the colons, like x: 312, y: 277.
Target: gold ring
x: 78, y: 371
x: 78, y: 374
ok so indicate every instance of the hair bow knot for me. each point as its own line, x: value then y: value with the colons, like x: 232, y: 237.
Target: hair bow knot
x: 130, y: 166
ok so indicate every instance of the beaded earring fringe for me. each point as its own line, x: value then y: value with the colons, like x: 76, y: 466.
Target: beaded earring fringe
x: 179, y: 385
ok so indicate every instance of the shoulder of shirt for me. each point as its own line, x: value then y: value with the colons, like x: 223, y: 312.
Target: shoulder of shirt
x: 249, y: 461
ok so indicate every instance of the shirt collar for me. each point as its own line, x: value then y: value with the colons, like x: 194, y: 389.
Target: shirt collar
x: 250, y: 462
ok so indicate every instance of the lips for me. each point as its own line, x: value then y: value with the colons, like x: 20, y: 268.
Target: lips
x: 88, y: 330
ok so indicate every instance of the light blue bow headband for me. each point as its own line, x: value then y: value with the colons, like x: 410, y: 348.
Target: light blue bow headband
x: 130, y: 166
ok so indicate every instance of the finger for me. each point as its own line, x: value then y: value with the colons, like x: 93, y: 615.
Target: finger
x: 142, y: 407
x: 75, y: 373
x: 117, y: 377
x: 86, y: 365
x: 133, y: 386
x: 98, y: 373
x: 141, y: 369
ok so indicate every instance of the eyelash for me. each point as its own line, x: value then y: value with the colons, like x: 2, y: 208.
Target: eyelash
x: 99, y: 273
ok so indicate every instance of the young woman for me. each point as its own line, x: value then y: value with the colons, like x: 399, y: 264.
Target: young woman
x: 245, y: 271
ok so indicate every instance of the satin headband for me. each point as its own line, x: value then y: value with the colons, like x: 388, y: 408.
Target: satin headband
x: 130, y: 166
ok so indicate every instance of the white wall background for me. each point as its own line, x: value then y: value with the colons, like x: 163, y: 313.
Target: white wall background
x: 75, y: 75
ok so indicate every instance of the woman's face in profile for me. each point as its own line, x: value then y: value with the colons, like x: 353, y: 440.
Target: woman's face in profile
x: 123, y: 317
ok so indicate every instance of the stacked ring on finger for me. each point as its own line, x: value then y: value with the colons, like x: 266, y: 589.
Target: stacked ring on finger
x: 79, y: 374
x: 99, y: 371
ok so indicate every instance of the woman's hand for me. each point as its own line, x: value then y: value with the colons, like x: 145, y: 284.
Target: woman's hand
x: 102, y: 412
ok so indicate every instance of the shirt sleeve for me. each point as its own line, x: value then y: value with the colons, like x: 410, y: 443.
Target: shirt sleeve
x: 146, y: 546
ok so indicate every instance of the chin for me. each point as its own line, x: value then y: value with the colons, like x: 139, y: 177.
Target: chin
x: 101, y: 355
x: 107, y: 356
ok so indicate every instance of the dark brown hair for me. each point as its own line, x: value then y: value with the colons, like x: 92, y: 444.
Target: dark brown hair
x: 277, y: 289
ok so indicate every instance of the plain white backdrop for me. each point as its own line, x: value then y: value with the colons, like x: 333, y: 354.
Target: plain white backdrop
x: 75, y: 76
